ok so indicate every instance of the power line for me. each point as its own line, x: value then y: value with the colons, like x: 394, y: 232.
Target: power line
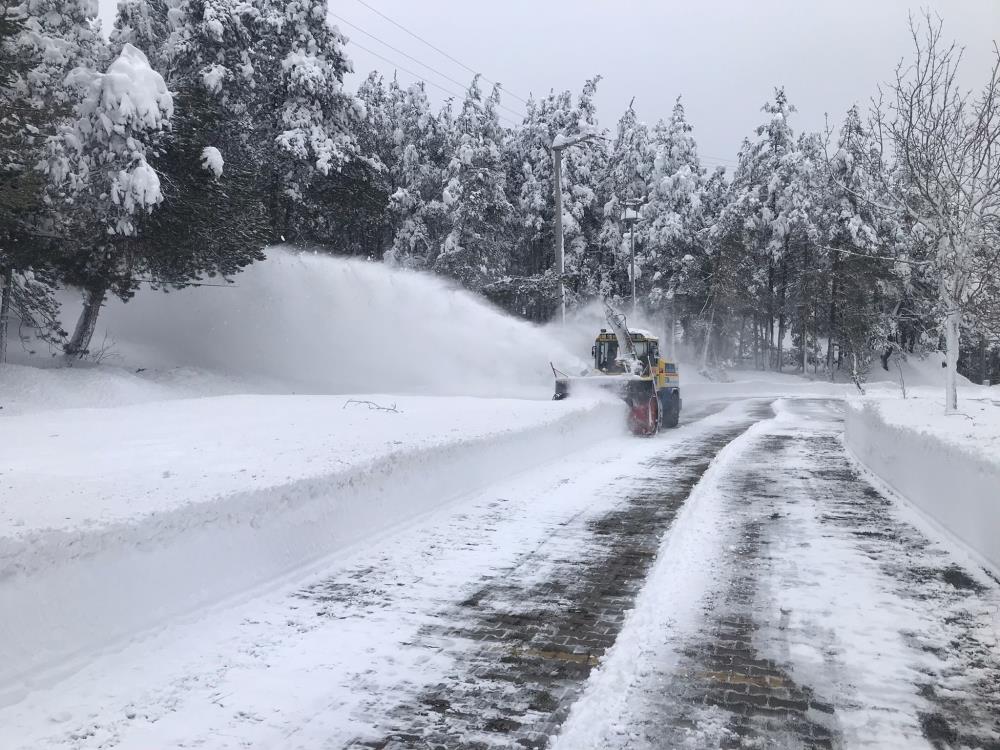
x: 718, y: 158
x: 441, y: 51
x: 418, y: 62
x: 509, y: 121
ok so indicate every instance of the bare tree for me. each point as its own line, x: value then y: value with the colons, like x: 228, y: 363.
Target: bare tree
x: 946, y: 146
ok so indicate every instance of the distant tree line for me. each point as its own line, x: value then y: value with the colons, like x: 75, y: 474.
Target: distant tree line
x: 201, y: 131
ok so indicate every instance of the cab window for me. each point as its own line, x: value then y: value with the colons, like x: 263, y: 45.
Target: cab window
x: 647, y: 350
x: 605, y: 355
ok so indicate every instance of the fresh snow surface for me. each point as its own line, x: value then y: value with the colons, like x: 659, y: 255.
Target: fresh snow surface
x: 161, y: 456
x: 948, y: 467
x: 975, y: 429
x: 178, y: 505
x: 206, y: 455
x: 837, y: 618
x: 315, y: 661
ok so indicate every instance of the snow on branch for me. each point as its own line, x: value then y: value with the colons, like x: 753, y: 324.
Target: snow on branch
x: 211, y: 160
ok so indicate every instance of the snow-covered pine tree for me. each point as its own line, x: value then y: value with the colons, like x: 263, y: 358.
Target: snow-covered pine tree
x: 800, y: 198
x: 65, y: 35
x: 146, y: 25
x: 673, y: 215
x: 759, y: 204
x: 862, y: 284
x: 530, y: 183
x: 531, y: 290
x: 304, y: 117
x: 25, y: 122
x: 45, y: 41
x: 626, y: 179
x: 211, y: 220
x: 418, y: 152
x: 100, y: 163
x: 476, y: 250
x: 584, y: 166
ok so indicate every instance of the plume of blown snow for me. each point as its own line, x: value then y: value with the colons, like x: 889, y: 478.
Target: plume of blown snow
x: 313, y: 323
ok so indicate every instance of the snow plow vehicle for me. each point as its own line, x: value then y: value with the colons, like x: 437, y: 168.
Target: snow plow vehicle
x: 627, y: 363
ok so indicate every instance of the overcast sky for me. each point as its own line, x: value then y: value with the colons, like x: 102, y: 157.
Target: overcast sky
x: 723, y: 58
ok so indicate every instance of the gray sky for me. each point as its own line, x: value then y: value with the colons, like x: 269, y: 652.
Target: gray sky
x: 724, y: 58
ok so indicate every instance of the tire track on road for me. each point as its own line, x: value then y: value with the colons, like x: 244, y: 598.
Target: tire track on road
x: 528, y: 638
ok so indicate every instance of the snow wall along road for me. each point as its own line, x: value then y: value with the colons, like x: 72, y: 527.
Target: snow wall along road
x: 308, y: 322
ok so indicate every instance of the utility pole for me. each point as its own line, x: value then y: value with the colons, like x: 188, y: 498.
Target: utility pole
x: 631, y: 218
x: 673, y: 325
x: 560, y: 144
x: 560, y: 251
x: 631, y: 242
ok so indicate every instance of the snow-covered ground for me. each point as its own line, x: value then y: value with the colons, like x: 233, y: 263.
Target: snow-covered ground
x: 156, y: 509
x: 793, y: 605
x: 192, y: 463
x: 323, y: 657
x: 398, y: 636
x: 160, y: 510
x: 947, y: 466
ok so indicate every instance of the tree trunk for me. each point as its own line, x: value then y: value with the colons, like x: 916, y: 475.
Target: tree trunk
x: 781, y: 340
x: 805, y: 346
x: 952, y: 333
x: 8, y: 293
x: 982, y: 359
x: 815, y: 327
x: 782, y: 303
x: 80, y: 342
x: 802, y: 306
x: 769, y: 334
x: 708, y: 338
x: 832, y: 323
x: 739, y: 344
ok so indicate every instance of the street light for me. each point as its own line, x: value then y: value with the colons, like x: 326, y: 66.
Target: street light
x: 559, y: 144
x: 630, y: 217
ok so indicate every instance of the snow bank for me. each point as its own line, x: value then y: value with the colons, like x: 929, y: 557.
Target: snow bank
x: 156, y: 510
x: 947, y: 467
x: 319, y: 324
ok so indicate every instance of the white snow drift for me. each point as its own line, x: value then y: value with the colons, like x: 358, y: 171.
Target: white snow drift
x: 948, y: 467
x: 180, y: 505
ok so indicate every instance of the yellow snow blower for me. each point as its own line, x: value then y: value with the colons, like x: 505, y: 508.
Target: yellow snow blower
x: 627, y: 363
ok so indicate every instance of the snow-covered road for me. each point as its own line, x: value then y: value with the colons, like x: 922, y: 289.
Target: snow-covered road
x: 734, y: 582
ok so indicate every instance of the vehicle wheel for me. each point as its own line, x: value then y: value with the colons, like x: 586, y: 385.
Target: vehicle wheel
x: 673, y: 412
x: 653, y: 416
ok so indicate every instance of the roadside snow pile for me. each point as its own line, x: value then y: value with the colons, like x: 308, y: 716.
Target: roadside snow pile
x: 159, y: 509
x: 948, y: 467
x: 319, y: 324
